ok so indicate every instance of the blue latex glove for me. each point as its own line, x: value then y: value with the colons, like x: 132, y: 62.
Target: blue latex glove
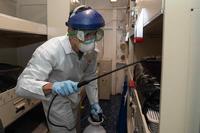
x: 65, y: 88
x: 96, y: 112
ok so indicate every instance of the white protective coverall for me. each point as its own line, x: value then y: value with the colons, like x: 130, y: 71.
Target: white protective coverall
x: 56, y: 61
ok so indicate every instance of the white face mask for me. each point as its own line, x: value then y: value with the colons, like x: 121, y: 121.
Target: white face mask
x: 86, y: 47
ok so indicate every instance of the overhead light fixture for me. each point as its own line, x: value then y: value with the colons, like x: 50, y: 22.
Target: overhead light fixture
x: 113, y: 0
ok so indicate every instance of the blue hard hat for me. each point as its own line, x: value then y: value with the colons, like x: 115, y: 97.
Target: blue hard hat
x: 85, y: 18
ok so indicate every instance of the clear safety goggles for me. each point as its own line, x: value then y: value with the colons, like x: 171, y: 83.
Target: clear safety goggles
x: 87, y: 35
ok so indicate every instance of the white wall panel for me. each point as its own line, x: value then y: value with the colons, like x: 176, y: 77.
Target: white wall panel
x: 32, y: 2
x: 36, y: 13
x: 8, y: 7
x: 195, y: 4
x: 175, y: 67
x: 104, y: 4
x: 193, y: 91
x: 108, y: 41
x: 108, y: 17
x: 56, y: 18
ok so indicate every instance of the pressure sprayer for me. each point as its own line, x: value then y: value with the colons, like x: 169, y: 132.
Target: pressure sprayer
x: 94, y: 127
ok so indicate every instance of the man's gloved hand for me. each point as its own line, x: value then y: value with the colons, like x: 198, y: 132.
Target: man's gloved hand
x: 65, y: 88
x: 96, y: 112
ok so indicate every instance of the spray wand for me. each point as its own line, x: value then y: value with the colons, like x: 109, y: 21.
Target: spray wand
x: 80, y: 84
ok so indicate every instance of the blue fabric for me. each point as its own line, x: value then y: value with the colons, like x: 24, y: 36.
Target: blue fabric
x: 65, y: 88
x: 86, y: 20
x: 122, y: 119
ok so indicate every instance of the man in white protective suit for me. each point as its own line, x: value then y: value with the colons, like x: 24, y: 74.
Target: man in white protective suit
x: 59, y: 64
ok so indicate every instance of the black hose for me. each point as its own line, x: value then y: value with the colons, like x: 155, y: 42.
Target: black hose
x: 80, y: 84
x: 56, y: 125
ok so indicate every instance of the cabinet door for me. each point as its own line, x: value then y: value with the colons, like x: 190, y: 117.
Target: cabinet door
x: 193, y: 108
x: 195, y: 4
